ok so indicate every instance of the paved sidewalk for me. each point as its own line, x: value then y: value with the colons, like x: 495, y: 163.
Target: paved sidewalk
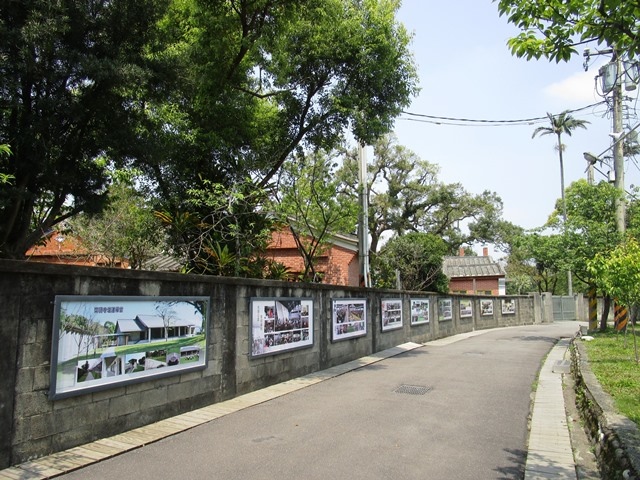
x: 549, y: 453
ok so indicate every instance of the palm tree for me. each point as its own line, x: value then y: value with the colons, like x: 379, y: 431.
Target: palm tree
x: 562, y: 123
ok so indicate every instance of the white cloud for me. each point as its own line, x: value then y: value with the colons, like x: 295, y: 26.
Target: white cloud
x: 578, y: 89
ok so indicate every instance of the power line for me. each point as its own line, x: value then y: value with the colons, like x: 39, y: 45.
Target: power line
x: 471, y: 122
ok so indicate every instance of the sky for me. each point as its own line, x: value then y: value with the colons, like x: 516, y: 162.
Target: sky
x: 467, y: 71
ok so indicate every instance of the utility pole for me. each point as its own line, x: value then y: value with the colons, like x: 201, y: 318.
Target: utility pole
x: 618, y: 152
x: 613, y: 77
x: 363, y: 224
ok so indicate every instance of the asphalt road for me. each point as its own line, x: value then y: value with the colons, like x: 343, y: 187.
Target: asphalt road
x: 468, y: 420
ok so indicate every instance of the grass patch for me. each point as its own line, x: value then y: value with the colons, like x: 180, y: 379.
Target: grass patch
x: 615, y: 367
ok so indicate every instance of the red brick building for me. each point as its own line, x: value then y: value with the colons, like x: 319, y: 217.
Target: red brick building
x: 66, y: 249
x: 338, y: 264
x: 474, y: 275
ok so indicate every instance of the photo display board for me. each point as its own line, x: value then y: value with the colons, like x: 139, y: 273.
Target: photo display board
x: 103, y: 342
x: 445, y: 309
x: 419, y: 311
x: 508, y: 306
x: 486, y: 308
x: 280, y: 324
x: 466, y: 308
x: 391, y: 314
x: 349, y: 318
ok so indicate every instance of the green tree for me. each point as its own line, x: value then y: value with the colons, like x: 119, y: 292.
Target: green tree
x: 536, y: 257
x: 83, y: 329
x: 70, y: 73
x: 590, y: 230
x: 559, y: 124
x: 5, y: 151
x: 564, y: 123
x: 416, y: 258
x: 591, y: 226
x: 618, y: 272
x: 221, y: 230
x: 262, y: 80
x: 110, y: 327
x: 405, y: 195
x: 126, y: 229
x: 554, y: 28
x: 314, y: 206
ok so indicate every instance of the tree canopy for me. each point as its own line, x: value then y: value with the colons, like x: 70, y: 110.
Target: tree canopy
x: 68, y: 74
x: 555, y: 28
x: 415, y: 259
x: 589, y: 229
x: 405, y: 195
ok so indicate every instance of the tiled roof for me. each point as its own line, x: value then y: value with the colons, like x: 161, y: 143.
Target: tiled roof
x: 470, y: 266
x: 154, y: 321
x: 128, y: 325
x: 162, y: 263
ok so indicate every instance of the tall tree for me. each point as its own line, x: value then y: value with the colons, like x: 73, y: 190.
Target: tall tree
x: 559, y: 124
x: 69, y: 75
x: 261, y: 79
x: 618, y: 272
x: 222, y: 230
x: 315, y: 206
x: 555, y: 28
x: 564, y: 123
x: 406, y: 195
x: 538, y: 257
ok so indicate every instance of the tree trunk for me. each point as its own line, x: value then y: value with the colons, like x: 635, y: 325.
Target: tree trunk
x: 605, y: 313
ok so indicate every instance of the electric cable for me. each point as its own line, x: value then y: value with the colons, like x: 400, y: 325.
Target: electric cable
x: 468, y: 122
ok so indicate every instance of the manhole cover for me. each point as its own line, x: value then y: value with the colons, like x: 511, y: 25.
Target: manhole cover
x: 412, y: 389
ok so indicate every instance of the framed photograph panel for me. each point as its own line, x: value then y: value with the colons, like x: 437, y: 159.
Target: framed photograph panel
x: 419, y: 311
x: 391, y: 310
x: 445, y: 309
x: 466, y: 308
x: 508, y: 306
x: 103, y: 342
x: 486, y: 308
x: 349, y: 318
x: 280, y: 324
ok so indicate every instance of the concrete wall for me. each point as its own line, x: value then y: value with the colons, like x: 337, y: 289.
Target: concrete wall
x: 32, y: 425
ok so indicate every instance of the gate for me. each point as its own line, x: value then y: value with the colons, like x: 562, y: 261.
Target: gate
x: 564, y: 308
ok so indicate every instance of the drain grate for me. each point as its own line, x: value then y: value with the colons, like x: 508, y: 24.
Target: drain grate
x: 413, y: 389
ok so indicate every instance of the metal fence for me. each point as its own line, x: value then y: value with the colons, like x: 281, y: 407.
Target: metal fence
x: 564, y: 308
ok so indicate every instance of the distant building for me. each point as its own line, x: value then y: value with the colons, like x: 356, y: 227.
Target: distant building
x: 338, y: 264
x: 474, y: 275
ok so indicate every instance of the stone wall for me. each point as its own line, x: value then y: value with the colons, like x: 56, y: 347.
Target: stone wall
x: 33, y: 425
x: 616, y: 439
